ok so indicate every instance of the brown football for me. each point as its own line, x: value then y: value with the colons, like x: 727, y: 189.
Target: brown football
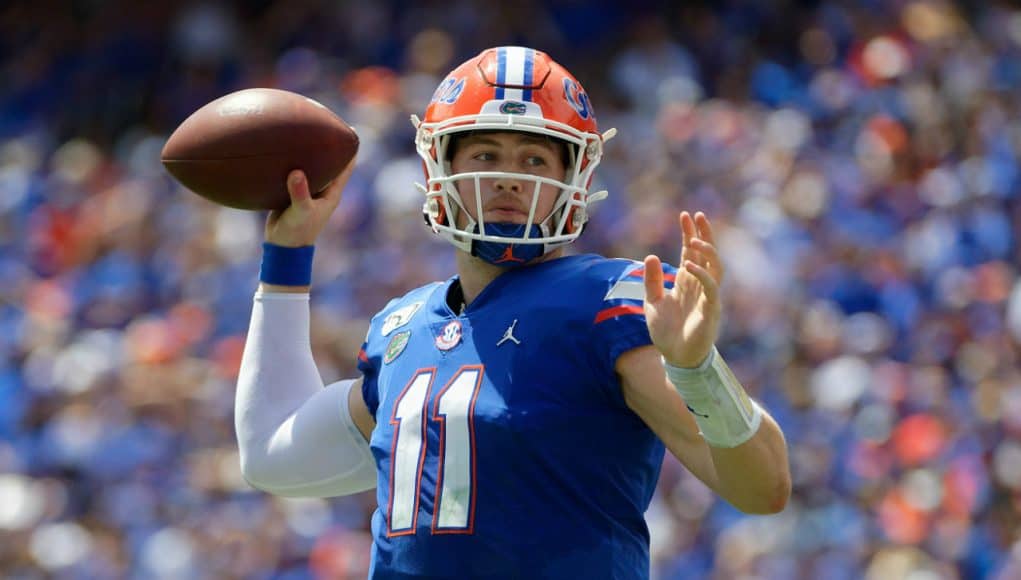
x: 238, y: 149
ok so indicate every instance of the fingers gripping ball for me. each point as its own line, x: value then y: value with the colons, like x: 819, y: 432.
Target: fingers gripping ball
x: 238, y: 149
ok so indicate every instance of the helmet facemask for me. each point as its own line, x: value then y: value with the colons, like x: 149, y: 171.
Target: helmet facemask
x: 539, y: 234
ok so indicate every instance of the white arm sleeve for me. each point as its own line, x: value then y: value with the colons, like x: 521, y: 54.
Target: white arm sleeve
x: 296, y: 437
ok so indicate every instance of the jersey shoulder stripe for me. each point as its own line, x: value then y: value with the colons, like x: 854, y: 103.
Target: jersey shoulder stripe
x: 615, y: 311
x: 627, y: 294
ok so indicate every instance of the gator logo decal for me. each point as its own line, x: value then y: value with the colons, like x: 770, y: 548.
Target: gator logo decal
x: 397, y: 345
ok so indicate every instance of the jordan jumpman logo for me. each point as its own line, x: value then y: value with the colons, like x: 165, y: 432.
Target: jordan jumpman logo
x: 509, y: 335
x: 508, y: 255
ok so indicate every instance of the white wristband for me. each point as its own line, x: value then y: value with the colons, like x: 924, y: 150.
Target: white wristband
x: 725, y: 415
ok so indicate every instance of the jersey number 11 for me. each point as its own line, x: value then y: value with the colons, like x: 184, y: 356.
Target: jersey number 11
x: 453, y: 409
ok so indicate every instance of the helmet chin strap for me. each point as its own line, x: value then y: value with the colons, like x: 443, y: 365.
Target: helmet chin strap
x: 509, y: 254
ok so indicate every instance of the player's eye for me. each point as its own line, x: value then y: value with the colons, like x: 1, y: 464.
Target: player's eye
x: 536, y: 161
x: 484, y: 156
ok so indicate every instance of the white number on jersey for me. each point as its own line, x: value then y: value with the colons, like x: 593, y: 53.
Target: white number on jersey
x: 453, y: 409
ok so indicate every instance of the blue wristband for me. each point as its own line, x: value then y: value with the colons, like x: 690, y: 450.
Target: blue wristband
x: 283, y: 266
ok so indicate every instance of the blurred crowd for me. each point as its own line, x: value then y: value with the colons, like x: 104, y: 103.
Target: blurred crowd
x: 860, y: 160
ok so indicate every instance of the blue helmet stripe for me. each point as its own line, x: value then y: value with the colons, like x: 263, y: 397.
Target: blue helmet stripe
x: 529, y: 64
x: 501, y: 71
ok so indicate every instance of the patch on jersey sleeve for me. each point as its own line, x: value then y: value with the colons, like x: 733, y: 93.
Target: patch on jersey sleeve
x: 399, y: 317
x: 397, y: 345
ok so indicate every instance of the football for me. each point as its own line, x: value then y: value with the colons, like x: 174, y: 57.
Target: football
x: 238, y: 149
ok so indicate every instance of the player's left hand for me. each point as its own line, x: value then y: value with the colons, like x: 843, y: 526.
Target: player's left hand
x: 685, y: 320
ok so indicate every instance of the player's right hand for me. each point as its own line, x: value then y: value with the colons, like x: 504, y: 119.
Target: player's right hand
x: 301, y: 222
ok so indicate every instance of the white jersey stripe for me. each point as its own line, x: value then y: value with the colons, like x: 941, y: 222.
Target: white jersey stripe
x: 626, y: 289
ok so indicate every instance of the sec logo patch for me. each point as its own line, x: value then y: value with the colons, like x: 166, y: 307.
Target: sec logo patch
x: 450, y: 336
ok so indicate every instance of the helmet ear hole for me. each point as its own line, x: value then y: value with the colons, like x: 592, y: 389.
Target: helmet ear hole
x: 435, y: 210
x: 576, y: 216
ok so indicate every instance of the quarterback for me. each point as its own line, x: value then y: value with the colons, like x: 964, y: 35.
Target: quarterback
x: 512, y: 418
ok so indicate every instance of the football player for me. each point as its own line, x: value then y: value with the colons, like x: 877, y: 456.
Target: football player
x: 512, y: 418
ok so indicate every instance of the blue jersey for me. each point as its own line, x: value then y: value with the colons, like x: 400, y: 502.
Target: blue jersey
x: 503, y: 443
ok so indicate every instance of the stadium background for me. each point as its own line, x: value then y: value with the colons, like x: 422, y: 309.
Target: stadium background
x: 860, y: 160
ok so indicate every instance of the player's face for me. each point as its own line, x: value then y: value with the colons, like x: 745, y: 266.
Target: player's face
x: 507, y: 200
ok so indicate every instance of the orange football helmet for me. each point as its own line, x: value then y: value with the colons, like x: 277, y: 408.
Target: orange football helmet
x: 510, y: 88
